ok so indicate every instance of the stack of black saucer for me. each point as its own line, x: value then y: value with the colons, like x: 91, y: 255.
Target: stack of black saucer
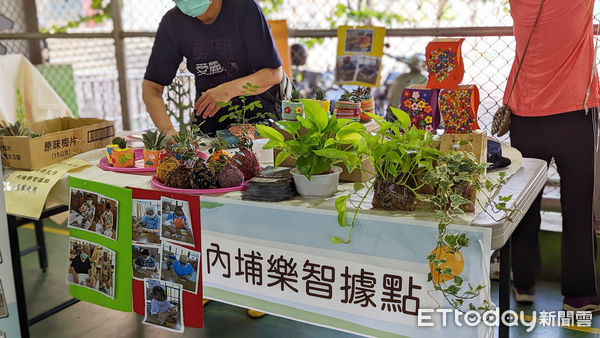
x: 272, y: 185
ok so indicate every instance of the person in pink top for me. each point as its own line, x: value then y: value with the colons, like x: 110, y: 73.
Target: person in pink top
x: 557, y: 82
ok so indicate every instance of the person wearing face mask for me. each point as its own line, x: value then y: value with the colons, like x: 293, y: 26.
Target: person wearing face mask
x: 145, y: 262
x: 226, y: 44
x: 81, y: 268
x: 150, y: 222
x: 88, y: 211
x: 177, y: 220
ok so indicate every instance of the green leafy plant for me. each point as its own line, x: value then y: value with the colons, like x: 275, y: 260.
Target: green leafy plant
x: 19, y: 128
x: 187, y: 143
x: 154, y: 140
x: 317, y: 141
x: 400, y: 158
x: 456, y: 175
x: 120, y: 142
x: 319, y: 94
x: 409, y: 159
x: 241, y: 113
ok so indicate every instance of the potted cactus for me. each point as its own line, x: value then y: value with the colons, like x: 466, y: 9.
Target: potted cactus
x: 122, y: 155
x: 346, y: 108
x: 292, y: 108
x: 320, y: 99
x: 367, y: 103
x: 154, y: 143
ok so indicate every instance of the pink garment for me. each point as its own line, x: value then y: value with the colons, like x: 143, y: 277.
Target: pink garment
x: 556, y: 72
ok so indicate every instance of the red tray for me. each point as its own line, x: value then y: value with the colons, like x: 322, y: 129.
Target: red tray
x: 156, y: 183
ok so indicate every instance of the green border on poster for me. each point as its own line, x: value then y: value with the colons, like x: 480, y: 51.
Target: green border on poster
x: 121, y: 247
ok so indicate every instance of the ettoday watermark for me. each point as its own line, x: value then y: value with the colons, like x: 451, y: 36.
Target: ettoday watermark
x: 492, y: 318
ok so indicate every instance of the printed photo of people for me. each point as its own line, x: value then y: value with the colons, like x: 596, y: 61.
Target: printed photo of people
x: 180, y: 265
x: 358, y: 41
x: 176, y: 221
x: 146, y: 261
x: 345, y: 68
x: 3, y: 308
x: 368, y: 69
x: 93, y: 212
x: 163, y: 305
x: 91, y: 265
x: 146, y: 221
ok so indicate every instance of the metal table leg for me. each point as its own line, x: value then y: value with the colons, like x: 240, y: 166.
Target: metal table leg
x: 504, y: 289
x: 39, y: 236
x: 18, y: 275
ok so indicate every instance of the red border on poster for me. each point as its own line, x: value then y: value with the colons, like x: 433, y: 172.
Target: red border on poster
x: 192, y: 303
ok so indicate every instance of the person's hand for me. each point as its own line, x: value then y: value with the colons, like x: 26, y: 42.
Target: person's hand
x: 75, y: 278
x: 206, y: 106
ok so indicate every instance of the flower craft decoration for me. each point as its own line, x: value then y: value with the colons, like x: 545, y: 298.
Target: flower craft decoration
x: 422, y: 107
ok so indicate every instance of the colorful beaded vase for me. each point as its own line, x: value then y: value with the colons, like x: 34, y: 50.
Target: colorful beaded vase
x: 458, y: 108
x: 443, y: 58
x: 422, y: 107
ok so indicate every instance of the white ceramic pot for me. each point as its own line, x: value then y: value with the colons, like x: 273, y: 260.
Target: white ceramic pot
x: 319, y: 185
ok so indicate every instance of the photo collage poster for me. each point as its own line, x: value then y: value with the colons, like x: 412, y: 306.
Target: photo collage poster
x: 167, y: 271
x: 99, y: 250
x: 359, y: 55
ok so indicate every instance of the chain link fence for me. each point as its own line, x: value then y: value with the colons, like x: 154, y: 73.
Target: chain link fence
x: 84, y: 71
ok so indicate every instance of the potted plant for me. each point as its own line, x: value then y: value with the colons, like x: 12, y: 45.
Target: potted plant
x: 122, y: 155
x: 346, y: 108
x: 317, y: 143
x: 367, y: 103
x: 154, y: 143
x: 290, y: 110
x: 242, y: 128
x: 320, y: 99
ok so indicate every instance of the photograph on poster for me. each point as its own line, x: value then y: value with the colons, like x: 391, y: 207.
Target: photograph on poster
x: 93, y: 212
x: 91, y: 265
x: 3, y: 307
x: 163, y: 305
x: 146, y: 261
x: 176, y: 221
x: 358, y: 41
x: 180, y: 265
x: 146, y: 221
x: 345, y: 68
x: 368, y: 69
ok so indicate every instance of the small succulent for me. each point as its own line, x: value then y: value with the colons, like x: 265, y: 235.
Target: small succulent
x: 295, y: 96
x: 120, y: 142
x: 18, y: 128
x: 319, y: 94
x: 154, y: 140
x: 346, y: 97
x: 360, y: 93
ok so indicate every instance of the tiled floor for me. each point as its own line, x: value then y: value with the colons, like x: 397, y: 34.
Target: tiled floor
x: 43, y: 290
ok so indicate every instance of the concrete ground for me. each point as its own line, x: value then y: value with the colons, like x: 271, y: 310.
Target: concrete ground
x: 44, y: 290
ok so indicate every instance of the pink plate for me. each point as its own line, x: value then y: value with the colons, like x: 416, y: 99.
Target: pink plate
x: 139, y: 164
x: 156, y: 183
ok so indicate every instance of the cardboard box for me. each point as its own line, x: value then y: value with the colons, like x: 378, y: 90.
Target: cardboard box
x: 477, y: 143
x: 63, y: 138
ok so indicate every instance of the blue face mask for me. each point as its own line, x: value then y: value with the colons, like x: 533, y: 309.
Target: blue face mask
x: 84, y: 256
x: 193, y: 8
